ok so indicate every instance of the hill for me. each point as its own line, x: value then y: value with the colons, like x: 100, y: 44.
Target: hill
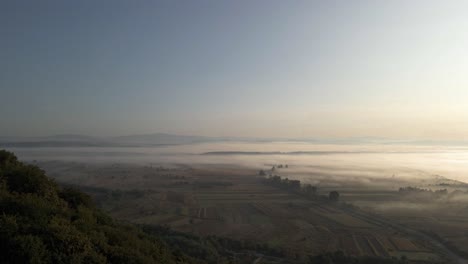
x: 42, y: 223
x: 160, y: 139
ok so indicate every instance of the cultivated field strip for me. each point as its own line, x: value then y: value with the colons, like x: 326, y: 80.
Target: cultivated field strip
x: 378, y: 248
x: 404, y: 244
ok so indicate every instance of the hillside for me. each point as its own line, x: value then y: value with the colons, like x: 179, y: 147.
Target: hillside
x: 42, y: 223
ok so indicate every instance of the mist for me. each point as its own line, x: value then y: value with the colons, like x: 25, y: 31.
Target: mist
x: 315, y: 163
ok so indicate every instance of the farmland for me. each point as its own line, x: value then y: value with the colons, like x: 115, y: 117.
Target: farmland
x: 235, y: 202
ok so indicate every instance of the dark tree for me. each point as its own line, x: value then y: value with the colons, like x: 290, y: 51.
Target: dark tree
x: 310, y: 190
x: 295, y: 184
x: 334, y: 196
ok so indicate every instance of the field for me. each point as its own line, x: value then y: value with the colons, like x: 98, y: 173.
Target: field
x: 235, y: 202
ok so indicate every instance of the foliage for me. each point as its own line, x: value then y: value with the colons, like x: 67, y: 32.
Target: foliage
x: 333, y: 196
x: 293, y: 185
x: 306, y: 190
x: 211, y: 249
x: 415, y: 193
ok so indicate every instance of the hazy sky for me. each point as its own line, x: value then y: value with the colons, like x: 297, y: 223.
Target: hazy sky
x: 394, y: 69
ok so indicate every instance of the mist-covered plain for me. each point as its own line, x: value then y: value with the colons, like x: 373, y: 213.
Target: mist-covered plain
x: 310, y: 162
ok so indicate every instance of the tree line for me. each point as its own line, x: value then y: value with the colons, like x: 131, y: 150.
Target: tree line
x: 307, y: 190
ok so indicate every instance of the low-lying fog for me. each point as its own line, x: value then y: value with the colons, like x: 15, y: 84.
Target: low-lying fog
x: 314, y: 162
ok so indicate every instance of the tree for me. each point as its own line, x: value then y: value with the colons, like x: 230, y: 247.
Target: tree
x: 75, y: 198
x: 295, y: 184
x: 334, y: 196
x: 310, y: 190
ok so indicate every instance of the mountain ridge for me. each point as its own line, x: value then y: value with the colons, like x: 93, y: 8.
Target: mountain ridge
x: 162, y: 139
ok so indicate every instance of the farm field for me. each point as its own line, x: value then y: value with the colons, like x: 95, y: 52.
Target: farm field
x: 236, y: 203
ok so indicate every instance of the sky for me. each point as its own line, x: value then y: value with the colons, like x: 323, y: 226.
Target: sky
x: 319, y: 69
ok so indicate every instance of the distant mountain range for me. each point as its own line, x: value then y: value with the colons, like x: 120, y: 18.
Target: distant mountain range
x: 157, y: 139
x: 162, y: 139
